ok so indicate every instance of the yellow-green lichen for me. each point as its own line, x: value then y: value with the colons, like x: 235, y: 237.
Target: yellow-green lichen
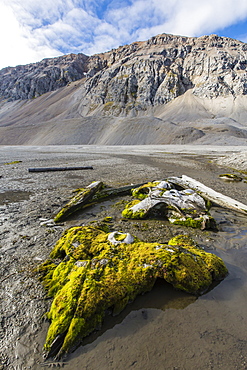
x: 65, y: 210
x: 80, y: 200
x: 181, y: 208
x: 129, y: 213
x: 107, y: 219
x: 13, y: 162
x: 197, y: 223
x: 143, y: 191
x: 95, y: 275
x: 190, y: 222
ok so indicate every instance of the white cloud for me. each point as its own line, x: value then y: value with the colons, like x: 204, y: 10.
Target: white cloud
x: 18, y: 45
x: 194, y: 17
x: 32, y: 30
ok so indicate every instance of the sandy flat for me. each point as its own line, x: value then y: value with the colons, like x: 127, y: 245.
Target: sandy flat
x: 164, y: 329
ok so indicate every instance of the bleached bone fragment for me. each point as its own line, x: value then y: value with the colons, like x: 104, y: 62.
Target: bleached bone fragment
x: 185, y: 199
x: 127, y: 240
x: 209, y: 194
x: 173, y: 197
x: 184, y: 207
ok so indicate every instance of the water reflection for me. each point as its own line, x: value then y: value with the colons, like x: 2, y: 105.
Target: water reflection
x: 232, y: 228
x: 163, y: 296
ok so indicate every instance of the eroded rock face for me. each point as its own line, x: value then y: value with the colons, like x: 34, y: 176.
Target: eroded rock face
x: 135, y: 77
x: 91, y: 271
x: 32, y: 80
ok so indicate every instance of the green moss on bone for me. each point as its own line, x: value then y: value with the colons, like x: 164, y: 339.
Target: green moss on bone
x: 80, y: 200
x: 46, y: 272
x: 190, y: 222
x: 191, y: 216
x: 77, y: 242
x: 182, y: 240
x: 196, y: 223
x: 65, y: 210
x: 64, y: 304
x: 96, y: 275
x: 211, y: 266
x: 128, y: 212
x: 142, y: 191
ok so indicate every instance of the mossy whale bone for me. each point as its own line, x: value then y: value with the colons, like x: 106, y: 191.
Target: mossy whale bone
x: 100, y: 271
x: 184, y: 207
x: 93, y: 193
x: 83, y: 196
x: 209, y: 194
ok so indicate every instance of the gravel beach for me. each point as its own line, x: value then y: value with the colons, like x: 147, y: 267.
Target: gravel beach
x: 164, y: 329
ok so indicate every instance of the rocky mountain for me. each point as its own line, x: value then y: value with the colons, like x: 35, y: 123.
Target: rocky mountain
x: 191, y: 89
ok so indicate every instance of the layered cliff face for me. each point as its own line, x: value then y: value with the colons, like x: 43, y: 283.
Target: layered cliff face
x: 157, y: 71
x: 32, y: 80
x: 137, y: 76
x: 177, y: 89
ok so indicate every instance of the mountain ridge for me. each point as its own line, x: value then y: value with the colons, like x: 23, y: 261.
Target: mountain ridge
x: 198, y: 83
x: 52, y: 73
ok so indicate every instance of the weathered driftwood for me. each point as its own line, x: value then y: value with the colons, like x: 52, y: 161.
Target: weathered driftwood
x: 112, y: 192
x: 78, y: 201
x: 49, y: 169
x: 209, y: 194
x: 90, y: 195
x: 85, y: 198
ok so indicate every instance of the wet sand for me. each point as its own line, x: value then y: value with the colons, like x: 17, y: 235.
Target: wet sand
x: 163, y: 329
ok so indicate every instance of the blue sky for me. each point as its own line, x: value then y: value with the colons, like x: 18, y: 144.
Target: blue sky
x: 35, y: 29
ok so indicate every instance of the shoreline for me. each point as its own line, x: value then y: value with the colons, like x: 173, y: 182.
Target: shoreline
x: 175, y: 148
x: 25, y: 243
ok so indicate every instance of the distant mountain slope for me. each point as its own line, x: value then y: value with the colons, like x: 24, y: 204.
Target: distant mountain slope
x: 169, y: 89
